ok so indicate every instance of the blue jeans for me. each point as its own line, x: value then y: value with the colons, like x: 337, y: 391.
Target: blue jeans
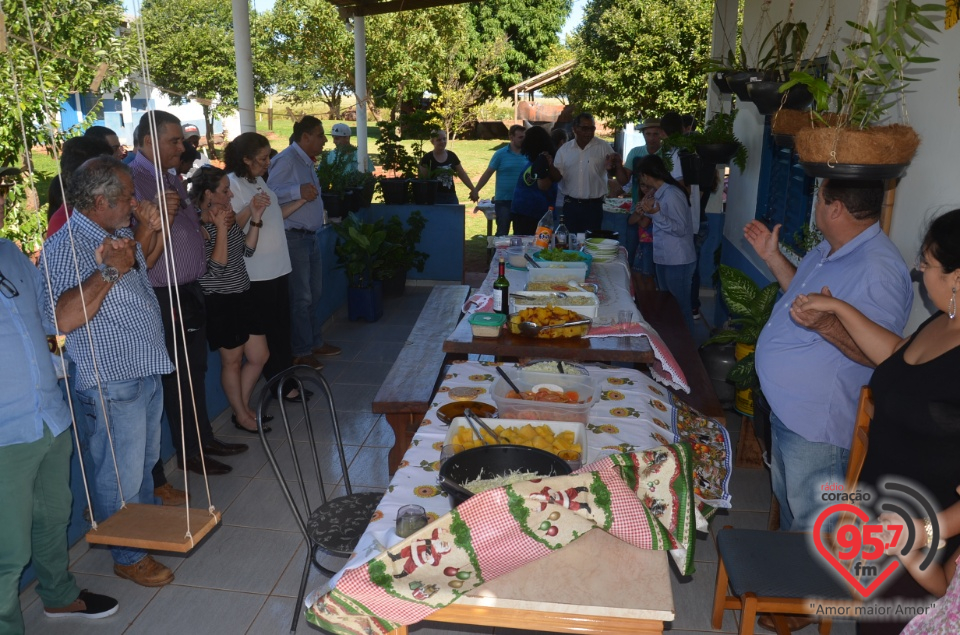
x: 306, y: 285
x: 797, y: 470
x: 133, y: 409
x: 502, y: 209
x: 677, y: 280
x: 698, y: 239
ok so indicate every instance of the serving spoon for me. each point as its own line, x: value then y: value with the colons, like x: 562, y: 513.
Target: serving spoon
x: 532, y: 329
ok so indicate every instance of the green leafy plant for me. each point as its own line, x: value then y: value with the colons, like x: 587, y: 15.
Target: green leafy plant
x: 359, y: 249
x: 21, y: 225
x: 750, y: 307
x: 334, y: 175
x: 400, y: 253
x: 394, y: 156
x: 718, y: 130
x: 870, y: 71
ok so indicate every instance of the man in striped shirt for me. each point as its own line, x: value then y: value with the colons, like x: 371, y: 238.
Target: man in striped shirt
x: 94, y: 270
x: 174, y: 266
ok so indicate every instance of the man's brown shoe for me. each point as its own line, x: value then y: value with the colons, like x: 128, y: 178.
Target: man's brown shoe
x: 327, y: 350
x: 146, y: 572
x: 169, y: 495
x: 308, y: 360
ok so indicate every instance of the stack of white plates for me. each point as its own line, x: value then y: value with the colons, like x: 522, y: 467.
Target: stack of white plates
x: 602, y: 249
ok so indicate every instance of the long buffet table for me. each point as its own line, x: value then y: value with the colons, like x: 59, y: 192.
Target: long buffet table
x: 597, y: 584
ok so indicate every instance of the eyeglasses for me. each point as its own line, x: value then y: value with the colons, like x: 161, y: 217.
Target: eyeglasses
x: 921, y: 264
x: 7, y: 288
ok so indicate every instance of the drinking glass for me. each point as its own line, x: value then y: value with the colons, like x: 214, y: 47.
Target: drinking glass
x: 572, y: 457
x: 410, y: 519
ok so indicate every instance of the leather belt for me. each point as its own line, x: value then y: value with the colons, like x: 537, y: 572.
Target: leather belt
x: 570, y: 199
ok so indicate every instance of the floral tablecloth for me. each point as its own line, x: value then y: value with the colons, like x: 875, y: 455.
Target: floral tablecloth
x: 633, y: 414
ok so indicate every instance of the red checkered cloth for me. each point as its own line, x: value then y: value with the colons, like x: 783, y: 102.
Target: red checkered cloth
x: 665, y: 369
x: 644, y: 498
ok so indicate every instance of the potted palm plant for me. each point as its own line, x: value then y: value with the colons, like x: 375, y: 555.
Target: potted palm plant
x: 360, y: 254
x: 750, y: 307
x: 868, y: 76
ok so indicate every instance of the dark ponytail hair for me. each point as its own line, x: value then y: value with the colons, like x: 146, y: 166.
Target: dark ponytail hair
x: 943, y: 240
x: 245, y: 146
x: 652, y: 165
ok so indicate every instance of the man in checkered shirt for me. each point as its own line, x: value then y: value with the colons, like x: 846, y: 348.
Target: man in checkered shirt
x: 95, y: 272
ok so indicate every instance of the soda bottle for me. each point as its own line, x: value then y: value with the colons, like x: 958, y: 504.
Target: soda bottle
x: 545, y: 230
x: 561, y: 237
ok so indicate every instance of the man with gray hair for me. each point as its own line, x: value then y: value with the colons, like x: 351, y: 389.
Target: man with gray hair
x: 96, y: 275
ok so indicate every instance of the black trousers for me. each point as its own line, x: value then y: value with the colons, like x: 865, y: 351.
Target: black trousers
x: 582, y: 215
x: 176, y: 386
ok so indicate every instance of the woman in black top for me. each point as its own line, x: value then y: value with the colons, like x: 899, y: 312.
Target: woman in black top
x: 236, y: 322
x: 915, y: 433
x: 442, y: 165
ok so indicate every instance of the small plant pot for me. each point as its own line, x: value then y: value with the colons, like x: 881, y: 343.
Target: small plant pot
x: 334, y: 205
x: 366, y: 195
x: 721, y: 152
x: 743, y: 399
x: 394, y: 191
x: 768, y: 99
x: 365, y: 303
x: 424, y: 191
x: 720, y: 81
x: 738, y: 83
x: 351, y: 199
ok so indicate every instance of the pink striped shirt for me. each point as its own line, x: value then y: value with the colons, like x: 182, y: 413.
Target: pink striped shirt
x: 185, y: 234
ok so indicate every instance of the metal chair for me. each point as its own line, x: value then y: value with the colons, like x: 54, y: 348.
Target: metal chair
x: 333, y: 528
x: 773, y: 571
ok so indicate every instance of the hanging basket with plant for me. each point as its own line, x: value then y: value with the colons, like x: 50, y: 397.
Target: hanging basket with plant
x: 869, y: 77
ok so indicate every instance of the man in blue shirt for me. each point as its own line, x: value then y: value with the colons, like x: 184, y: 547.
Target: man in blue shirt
x: 35, y: 450
x: 508, y: 163
x: 292, y: 177
x: 811, y: 373
x: 95, y: 274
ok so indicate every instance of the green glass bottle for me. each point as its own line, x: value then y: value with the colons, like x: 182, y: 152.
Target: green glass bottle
x: 501, y: 291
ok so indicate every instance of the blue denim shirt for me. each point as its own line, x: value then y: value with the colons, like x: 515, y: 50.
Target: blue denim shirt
x: 288, y: 171
x: 30, y: 396
x: 812, y: 386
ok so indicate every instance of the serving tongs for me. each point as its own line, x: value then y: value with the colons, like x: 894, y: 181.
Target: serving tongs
x: 474, y: 420
x: 533, y: 262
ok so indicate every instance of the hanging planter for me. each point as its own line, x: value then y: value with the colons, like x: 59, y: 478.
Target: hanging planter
x: 721, y: 152
x: 738, y: 82
x: 766, y: 96
x: 720, y: 81
x: 878, y: 152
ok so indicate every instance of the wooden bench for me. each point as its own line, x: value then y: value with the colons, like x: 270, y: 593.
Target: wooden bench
x: 661, y: 311
x: 407, y: 392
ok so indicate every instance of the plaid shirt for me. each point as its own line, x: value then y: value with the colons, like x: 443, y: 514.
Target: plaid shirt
x: 127, y: 331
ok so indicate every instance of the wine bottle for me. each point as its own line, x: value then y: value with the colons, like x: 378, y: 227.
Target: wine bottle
x: 561, y: 237
x: 501, y: 291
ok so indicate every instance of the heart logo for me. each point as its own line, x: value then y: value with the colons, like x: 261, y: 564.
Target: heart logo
x: 864, y: 591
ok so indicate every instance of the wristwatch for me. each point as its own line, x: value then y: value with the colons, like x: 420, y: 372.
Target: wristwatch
x: 108, y: 272
x: 254, y: 223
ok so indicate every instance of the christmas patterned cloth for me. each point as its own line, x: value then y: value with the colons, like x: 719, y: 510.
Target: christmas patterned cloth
x: 665, y: 369
x: 643, y: 498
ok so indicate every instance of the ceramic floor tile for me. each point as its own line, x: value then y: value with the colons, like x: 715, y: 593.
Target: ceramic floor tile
x: 262, y: 505
x: 98, y: 561
x: 369, y: 373
x: 354, y: 397
x: 438, y: 628
x: 252, y: 461
x: 381, y: 435
x: 132, y: 598
x: 349, y: 336
x: 377, y: 351
x: 838, y: 627
x: 750, y: 489
x: 177, y: 610
x: 330, y: 468
x: 693, y: 600
x: 289, y: 584
x: 354, y: 425
x: 240, y: 559
x: 224, y: 489
x: 741, y: 520
x: 370, y: 468
x: 276, y: 616
x: 399, y: 316
x: 393, y: 333
x: 333, y: 366
x: 706, y: 548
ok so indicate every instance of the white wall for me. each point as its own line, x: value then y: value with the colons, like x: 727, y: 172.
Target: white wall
x: 932, y: 184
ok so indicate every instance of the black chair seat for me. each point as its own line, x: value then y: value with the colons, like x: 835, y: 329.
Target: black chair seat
x: 776, y: 564
x: 337, y: 525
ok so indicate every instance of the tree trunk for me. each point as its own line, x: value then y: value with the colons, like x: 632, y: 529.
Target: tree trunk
x: 333, y: 105
x: 208, y: 124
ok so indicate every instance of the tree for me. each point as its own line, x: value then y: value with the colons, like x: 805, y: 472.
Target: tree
x: 531, y: 30
x: 457, y: 101
x: 77, y: 41
x: 191, y: 54
x: 310, y: 50
x: 640, y: 57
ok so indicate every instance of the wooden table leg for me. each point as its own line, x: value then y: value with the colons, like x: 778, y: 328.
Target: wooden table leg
x: 404, y: 425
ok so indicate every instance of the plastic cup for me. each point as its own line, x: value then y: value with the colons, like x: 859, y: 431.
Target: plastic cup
x: 572, y: 457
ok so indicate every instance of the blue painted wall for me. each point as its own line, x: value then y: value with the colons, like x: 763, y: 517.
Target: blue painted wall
x: 442, y: 237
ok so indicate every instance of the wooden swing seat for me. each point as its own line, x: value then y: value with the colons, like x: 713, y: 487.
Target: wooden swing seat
x: 154, y: 527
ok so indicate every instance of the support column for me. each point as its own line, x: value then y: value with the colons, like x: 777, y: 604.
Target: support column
x: 360, y: 88
x: 241, y: 43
